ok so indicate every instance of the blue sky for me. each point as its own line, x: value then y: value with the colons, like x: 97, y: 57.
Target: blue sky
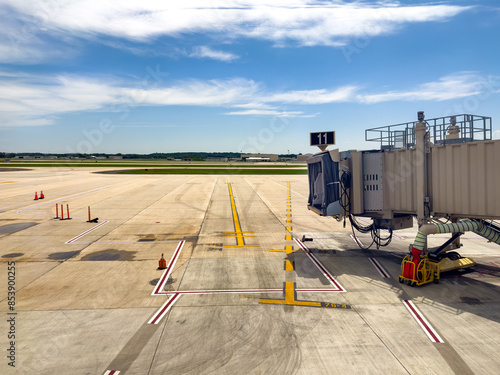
x: 235, y: 75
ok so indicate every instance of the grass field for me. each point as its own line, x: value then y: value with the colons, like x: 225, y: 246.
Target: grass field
x: 164, y: 167
x: 245, y: 171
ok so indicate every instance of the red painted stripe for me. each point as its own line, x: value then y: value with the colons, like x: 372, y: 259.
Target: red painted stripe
x: 160, y: 313
x: 169, y: 268
x: 358, y: 242
x: 379, y: 267
x: 419, y: 317
x: 319, y: 265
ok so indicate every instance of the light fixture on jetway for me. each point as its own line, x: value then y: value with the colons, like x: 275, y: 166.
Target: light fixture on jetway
x: 322, y: 139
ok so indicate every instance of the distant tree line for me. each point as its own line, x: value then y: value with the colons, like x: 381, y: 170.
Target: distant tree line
x: 155, y: 155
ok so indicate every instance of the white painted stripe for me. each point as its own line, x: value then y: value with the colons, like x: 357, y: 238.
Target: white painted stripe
x: 248, y: 291
x: 111, y: 372
x: 422, y: 322
x: 166, y: 274
x: 381, y: 270
x: 357, y: 241
x: 164, y: 309
x: 320, y: 266
x: 86, y: 232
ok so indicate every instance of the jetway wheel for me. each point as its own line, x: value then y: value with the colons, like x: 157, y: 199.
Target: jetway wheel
x: 453, y: 255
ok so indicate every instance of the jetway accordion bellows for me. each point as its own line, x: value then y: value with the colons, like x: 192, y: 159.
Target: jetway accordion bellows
x: 324, y: 192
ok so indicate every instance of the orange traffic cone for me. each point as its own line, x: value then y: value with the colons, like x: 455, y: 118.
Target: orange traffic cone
x: 41, y: 195
x: 162, y: 263
x: 36, y: 196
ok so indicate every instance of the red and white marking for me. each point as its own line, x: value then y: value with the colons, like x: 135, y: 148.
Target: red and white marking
x: 247, y: 291
x: 164, y: 309
x: 86, y: 232
x: 357, y: 241
x: 428, y: 329
x: 111, y: 372
x: 166, y: 274
x: 320, y: 266
x: 381, y: 270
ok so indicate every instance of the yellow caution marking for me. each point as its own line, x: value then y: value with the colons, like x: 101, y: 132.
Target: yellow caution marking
x: 288, y: 237
x: 288, y: 215
x: 291, y: 299
x: 288, y: 210
x: 289, y: 250
x: 238, y: 233
x: 289, y: 265
x: 289, y: 229
x: 289, y: 221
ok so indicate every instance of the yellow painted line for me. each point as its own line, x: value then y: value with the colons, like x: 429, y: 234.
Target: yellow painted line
x: 242, y: 246
x: 235, y: 235
x: 288, y: 237
x: 238, y: 233
x: 288, y: 221
x: 289, y: 266
x: 7, y: 182
x: 290, y: 298
x: 288, y: 215
x: 289, y: 229
x: 288, y: 210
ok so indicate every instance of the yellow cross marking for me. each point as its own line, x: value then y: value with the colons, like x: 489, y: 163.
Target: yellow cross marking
x: 289, y: 266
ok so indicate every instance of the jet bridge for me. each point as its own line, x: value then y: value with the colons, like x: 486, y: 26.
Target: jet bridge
x: 445, y: 172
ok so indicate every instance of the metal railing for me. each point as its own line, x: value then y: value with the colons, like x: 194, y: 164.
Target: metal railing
x: 472, y: 128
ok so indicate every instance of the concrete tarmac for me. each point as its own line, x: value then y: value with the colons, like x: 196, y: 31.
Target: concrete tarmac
x: 240, y: 293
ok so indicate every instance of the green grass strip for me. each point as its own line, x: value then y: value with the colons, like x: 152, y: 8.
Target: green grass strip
x: 215, y: 171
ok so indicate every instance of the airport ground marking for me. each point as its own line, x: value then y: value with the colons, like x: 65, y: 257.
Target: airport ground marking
x: 357, y: 241
x: 111, y: 372
x: 162, y: 311
x: 381, y: 270
x: 422, y: 322
x: 320, y: 266
x: 291, y: 299
x: 166, y: 274
x: 238, y: 233
x: 288, y: 249
x: 288, y: 237
x: 289, y: 265
x: 86, y: 232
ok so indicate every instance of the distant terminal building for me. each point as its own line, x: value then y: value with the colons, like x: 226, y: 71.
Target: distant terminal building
x: 217, y: 160
x: 259, y: 157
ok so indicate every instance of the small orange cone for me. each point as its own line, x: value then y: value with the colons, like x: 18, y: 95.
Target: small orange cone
x: 41, y: 195
x: 162, y: 263
x: 36, y: 196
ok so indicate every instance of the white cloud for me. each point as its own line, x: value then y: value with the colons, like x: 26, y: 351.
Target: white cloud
x: 294, y: 22
x: 266, y: 112
x: 207, y: 52
x: 454, y: 86
x: 37, y: 100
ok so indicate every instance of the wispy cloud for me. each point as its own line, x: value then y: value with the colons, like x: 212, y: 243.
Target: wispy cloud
x: 205, y: 52
x: 293, y: 22
x: 37, y: 100
x: 454, y: 86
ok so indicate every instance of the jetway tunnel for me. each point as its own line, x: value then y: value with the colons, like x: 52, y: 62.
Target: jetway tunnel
x: 442, y: 169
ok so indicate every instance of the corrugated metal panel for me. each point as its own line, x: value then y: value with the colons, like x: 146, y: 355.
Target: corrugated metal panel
x: 399, y: 180
x: 465, y: 179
